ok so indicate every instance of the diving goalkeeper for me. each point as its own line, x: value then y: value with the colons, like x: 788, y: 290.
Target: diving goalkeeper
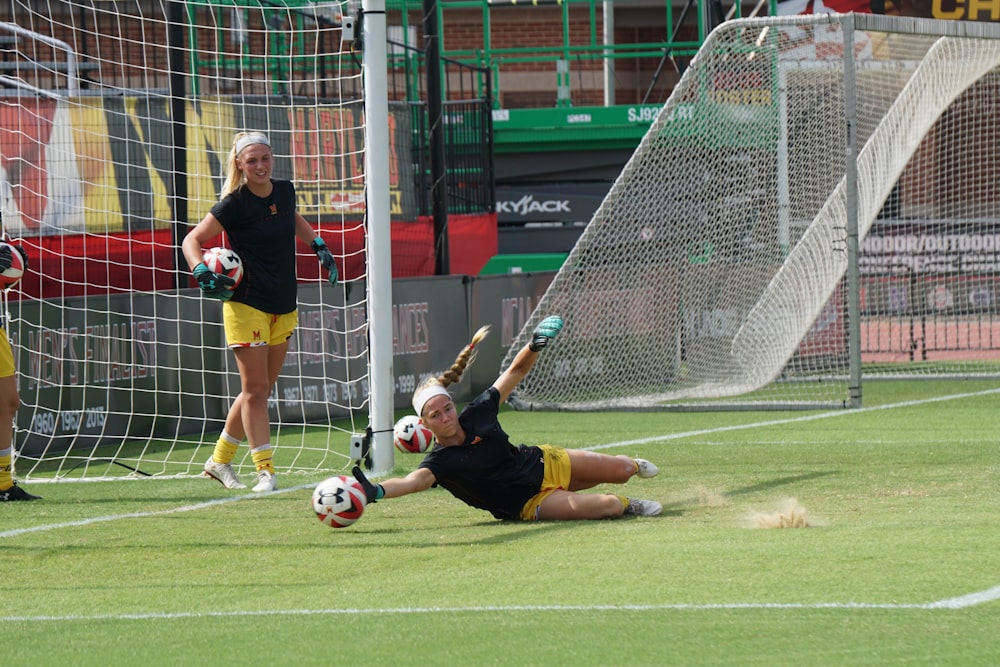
x: 475, y: 461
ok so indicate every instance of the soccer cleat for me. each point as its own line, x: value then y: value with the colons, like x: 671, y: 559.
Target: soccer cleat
x: 646, y: 468
x: 643, y: 507
x: 266, y: 482
x: 223, y: 473
x: 16, y: 493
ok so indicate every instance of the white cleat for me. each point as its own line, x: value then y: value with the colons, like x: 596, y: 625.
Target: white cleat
x: 223, y: 474
x: 643, y: 507
x: 266, y: 482
x: 646, y: 468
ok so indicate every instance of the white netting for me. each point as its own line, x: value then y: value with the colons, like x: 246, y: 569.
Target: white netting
x: 713, y: 269
x: 115, y: 121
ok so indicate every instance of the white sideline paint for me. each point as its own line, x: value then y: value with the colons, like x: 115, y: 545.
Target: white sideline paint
x: 138, y: 515
x: 960, y: 602
x: 792, y: 420
x: 951, y: 603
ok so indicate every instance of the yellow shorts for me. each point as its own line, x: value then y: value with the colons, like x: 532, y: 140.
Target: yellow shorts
x: 557, y: 476
x: 248, y: 327
x: 6, y: 356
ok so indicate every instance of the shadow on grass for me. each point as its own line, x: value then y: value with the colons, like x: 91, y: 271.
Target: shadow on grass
x: 512, y: 531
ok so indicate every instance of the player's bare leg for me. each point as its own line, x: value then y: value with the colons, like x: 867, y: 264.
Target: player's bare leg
x: 588, y: 469
x: 566, y: 506
x: 234, y: 419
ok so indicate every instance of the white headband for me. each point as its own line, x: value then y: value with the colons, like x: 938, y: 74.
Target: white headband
x: 251, y: 139
x: 427, y: 393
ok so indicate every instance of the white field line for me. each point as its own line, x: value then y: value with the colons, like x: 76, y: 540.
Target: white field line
x: 137, y: 515
x: 960, y: 602
x: 792, y: 420
x: 951, y: 603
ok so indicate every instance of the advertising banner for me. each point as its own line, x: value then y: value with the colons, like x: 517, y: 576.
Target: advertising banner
x: 131, y: 368
x: 931, y: 267
x: 325, y: 370
x: 549, y: 202
x: 430, y: 326
x: 105, y: 165
x: 948, y: 10
x: 146, y: 365
x: 505, y: 303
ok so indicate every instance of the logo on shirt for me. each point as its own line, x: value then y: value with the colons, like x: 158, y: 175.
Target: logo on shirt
x: 256, y: 334
x: 274, y: 209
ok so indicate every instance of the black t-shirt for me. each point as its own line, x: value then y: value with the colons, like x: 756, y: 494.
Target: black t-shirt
x: 262, y: 232
x: 487, y: 471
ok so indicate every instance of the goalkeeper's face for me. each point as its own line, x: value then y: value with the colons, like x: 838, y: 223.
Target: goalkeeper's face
x: 257, y: 163
x: 441, y: 417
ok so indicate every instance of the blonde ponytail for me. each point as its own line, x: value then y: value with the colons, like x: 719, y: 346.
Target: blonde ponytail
x: 451, y: 376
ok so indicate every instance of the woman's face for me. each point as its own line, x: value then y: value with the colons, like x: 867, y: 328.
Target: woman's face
x: 441, y: 418
x: 256, y: 163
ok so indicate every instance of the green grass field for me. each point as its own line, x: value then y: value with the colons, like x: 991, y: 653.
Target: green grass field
x: 901, y: 564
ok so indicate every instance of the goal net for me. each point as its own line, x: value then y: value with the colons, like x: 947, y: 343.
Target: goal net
x: 815, y: 203
x: 116, y: 120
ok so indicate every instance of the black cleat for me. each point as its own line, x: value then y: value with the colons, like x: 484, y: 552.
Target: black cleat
x: 16, y: 493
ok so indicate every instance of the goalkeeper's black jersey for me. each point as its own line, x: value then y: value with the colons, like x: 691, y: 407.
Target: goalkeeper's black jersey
x: 487, y: 471
x: 262, y: 232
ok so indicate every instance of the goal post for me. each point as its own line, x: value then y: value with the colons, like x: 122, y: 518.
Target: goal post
x: 728, y: 267
x: 121, y: 364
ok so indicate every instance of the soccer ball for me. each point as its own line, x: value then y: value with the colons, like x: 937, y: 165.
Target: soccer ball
x: 224, y: 262
x: 13, y: 273
x: 339, y: 501
x: 410, y: 435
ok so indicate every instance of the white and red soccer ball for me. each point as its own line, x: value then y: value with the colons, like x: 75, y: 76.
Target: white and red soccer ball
x: 339, y: 501
x: 410, y: 435
x: 225, y: 262
x: 13, y: 273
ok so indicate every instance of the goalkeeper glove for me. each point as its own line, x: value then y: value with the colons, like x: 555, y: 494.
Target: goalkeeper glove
x: 7, y: 256
x: 212, y: 284
x: 325, y: 258
x: 548, y: 329
x: 373, y: 492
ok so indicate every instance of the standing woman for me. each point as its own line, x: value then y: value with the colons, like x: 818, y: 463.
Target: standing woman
x: 259, y: 216
x: 10, y: 400
x: 475, y: 461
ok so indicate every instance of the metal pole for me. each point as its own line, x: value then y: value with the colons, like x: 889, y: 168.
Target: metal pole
x: 379, y: 247
x: 178, y: 119
x: 851, y: 183
x: 608, y: 32
x: 439, y: 178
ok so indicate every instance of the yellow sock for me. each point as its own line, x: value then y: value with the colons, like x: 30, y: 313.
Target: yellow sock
x: 224, y: 451
x: 6, y: 468
x: 225, y: 448
x: 624, y: 502
x: 262, y: 457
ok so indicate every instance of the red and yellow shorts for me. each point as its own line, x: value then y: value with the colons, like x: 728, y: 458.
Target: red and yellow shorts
x: 557, y: 476
x: 6, y: 356
x: 248, y: 327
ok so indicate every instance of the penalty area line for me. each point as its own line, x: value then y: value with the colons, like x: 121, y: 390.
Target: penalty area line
x: 960, y: 602
x: 791, y: 420
x: 14, y: 532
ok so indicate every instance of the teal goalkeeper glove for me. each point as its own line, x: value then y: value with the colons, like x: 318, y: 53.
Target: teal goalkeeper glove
x: 548, y: 329
x: 325, y: 259
x: 212, y: 284
x: 373, y: 492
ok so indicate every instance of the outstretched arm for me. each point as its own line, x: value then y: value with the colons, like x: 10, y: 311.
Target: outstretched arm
x: 548, y: 329
x: 420, y: 479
